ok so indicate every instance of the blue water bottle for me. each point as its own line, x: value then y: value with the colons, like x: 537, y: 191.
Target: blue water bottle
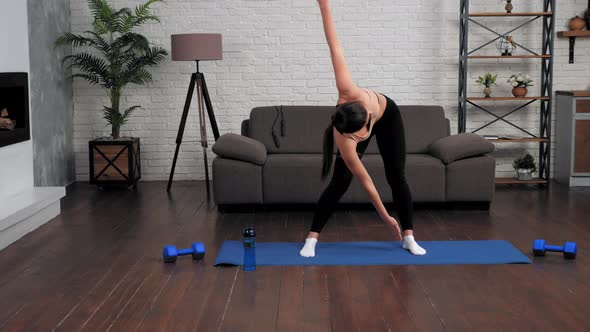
x: 249, y: 249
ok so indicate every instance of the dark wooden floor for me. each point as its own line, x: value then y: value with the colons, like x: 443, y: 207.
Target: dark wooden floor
x: 97, y: 267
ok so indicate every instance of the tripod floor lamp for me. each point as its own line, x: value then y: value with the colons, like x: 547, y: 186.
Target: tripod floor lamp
x: 196, y: 47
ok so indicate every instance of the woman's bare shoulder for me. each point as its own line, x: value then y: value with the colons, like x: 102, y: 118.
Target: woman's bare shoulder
x: 357, y: 95
x: 343, y: 142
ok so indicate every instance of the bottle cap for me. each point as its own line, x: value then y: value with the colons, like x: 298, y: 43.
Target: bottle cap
x: 249, y: 232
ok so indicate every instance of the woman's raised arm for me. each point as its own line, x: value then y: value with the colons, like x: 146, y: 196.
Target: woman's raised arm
x: 344, y: 83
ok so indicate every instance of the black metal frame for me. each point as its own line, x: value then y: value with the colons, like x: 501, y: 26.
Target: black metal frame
x: 572, y: 48
x: 546, y: 79
x: 131, y: 146
x: 463, y: 62
x: 202, y: 94
x: 546, y: 90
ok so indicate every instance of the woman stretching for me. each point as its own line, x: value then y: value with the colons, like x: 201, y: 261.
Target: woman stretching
x: 361, y: 114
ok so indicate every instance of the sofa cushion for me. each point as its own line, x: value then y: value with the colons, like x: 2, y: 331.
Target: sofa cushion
x: 471, y: 179
x: 425, y: 176
x: 289, y: 178
x: 423, y: 125
x: 455, y: 147
x: 238, y: 147
x: 305, y: 126
x: 236, y: 182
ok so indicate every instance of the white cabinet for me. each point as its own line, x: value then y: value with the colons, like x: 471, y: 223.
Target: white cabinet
x: 572, y: 136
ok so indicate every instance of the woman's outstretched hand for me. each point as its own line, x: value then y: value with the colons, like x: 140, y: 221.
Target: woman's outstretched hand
x: 393, y: 224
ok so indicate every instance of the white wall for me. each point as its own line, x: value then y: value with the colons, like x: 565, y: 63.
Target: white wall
x: 16, y: 161
x: 275, y: 53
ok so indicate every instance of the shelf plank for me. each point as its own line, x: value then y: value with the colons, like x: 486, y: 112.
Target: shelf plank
x: 510, y: 14
x: 575, y: 93
x: 506, y: 98
x: 516, y: 140
x: 516, y: 181
x: 547, y: 56
x: 579, y: 33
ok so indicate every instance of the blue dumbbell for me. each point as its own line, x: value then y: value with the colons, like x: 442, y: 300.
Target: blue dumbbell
x: 569, y: 249
x: 170, y: 253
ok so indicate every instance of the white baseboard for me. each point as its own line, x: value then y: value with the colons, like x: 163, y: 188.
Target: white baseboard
x: 579, y: 181
x: 24, y: 212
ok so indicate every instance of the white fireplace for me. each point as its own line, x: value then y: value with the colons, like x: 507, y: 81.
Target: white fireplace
x: 22, y: 206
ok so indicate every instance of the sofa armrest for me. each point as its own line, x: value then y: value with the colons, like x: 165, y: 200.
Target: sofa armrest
x: 232, y: 146
x: 461, y: 146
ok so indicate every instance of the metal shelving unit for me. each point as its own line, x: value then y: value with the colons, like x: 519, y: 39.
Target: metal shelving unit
x: 544, y: 99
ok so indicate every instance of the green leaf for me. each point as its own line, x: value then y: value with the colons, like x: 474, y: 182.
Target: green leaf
x: 71, y: 39
x: 526, y: 162
x: 95, y: 6
x: 98, y: 41
x: 130, y: 110
x: 92, y: 78
x: 91, y: 65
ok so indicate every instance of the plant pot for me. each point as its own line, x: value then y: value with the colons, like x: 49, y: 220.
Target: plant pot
x: 524, y: 174
x: 577, y: 24
x: 519, y: 91
x: 487, y: 92
x: 115, y: 161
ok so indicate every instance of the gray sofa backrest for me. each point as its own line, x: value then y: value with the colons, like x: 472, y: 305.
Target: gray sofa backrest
x: 305, y: 125
x: 423, y: 125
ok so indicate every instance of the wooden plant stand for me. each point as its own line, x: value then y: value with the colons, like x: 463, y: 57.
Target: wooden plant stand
x: 115, y: 161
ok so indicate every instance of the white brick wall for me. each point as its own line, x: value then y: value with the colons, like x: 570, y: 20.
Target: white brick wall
x: 275, y: 53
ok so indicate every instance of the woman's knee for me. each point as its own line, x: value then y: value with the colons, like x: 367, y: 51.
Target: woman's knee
x: 396, y: 176
x: 338, y: 186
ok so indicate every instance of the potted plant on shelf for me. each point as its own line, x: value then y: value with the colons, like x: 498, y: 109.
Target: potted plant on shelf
x: 519, y: 84
x: 488, y: 80
x: 114, y: 56
x: 525, y: 167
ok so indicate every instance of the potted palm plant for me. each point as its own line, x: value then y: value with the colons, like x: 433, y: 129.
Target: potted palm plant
x: 113, y: 57
x: 525, y: 167
x: 488, y: 81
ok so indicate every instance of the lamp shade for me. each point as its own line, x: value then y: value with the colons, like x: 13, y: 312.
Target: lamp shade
x: 196, y: 46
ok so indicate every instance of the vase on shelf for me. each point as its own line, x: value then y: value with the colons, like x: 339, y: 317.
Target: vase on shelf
x: 509, y: 7
x: 519, y: 91
x: 524, y: 174
x: 576, y: 24
x: 487, y: 92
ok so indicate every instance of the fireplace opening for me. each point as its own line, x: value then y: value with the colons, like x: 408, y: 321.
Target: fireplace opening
x: 14, y: 108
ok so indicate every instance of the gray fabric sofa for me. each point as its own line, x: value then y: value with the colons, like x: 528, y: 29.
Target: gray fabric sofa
x: 251, y: 169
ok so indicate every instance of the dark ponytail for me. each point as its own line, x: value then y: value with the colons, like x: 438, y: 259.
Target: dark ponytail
x: 328, y: 150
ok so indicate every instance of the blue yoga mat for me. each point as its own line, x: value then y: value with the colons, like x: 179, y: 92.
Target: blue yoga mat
x: 376, y: 253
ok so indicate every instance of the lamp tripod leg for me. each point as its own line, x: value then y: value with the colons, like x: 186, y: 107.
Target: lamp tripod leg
x: 203, y: 130
x: 210, y: 112
x: 187, y: 105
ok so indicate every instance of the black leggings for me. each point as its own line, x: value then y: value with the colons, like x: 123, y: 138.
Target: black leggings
x: 389, y: 131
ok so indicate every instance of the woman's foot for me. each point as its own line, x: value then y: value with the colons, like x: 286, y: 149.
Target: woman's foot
x: 308, y: 249
x: 410, y: 244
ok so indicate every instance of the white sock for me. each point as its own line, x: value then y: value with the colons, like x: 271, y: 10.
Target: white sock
x: 411, y: 245
x: 308, y: 249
